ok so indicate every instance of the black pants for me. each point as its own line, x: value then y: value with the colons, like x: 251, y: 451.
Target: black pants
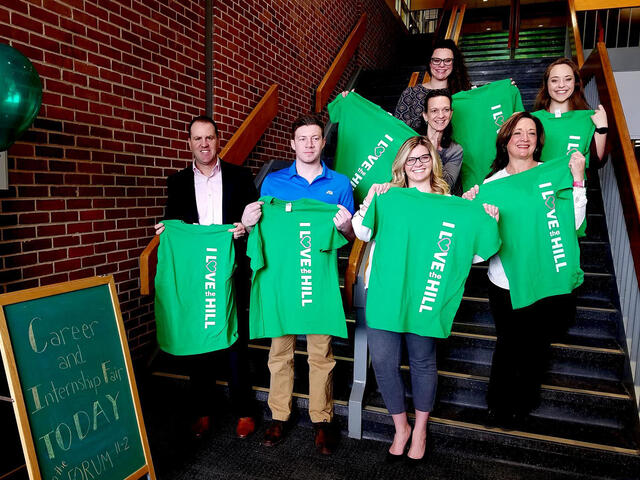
x: 206, y: 368
x: 523, y: 348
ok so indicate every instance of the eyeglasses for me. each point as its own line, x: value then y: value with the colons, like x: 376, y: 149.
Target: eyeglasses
x: 426, y: 158
x: 438, y: 61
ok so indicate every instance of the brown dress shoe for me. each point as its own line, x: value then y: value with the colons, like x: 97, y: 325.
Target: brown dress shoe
x: 201, y: 427
x: 326, y: 438
x: 274, y: 433
x: 246, y: 426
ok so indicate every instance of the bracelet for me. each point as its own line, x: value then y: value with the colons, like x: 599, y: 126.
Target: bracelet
x: 602, y: 130
x: 580, y: 184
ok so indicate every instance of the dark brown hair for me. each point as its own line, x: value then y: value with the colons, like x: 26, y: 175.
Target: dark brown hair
x: 458, y: 79
x: 304, y: 120
x: 204, y: 119
x: 445, y: 141
x: 504, y: 135
x: 576, y: 101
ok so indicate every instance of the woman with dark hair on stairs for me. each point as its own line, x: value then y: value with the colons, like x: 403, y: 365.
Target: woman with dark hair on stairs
x: 446, y: 69
x: 561, y: 92
x: 533, y: 276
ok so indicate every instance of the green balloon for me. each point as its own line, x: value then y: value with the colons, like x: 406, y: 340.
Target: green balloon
x: 20, y: 95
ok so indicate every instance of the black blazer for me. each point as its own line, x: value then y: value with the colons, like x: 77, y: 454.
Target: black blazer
x: 238, y: 191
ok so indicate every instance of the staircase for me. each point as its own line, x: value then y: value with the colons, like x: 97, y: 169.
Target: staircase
x: 587, y: 422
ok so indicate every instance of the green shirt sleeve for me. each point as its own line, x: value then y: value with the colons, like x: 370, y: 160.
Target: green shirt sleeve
x: 488, y: 242
x: 254, y: 248
x: 369, y: 219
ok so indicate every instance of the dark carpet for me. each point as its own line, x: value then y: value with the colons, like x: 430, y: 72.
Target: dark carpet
x: 223, y: 456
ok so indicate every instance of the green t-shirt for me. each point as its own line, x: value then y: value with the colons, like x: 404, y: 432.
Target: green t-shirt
x: 195, y: 297
x: 567, y: 133
x: 478, y: 114
x: 540, y: 252
x: 368, y: 140
x: 295, y: 288
x: 425, y: 245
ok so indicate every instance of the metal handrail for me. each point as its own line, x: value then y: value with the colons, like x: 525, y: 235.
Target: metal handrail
x: 620, y: 182
x: 625, y: 162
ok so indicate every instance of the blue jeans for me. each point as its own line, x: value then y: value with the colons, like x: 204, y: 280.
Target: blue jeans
x: 386, y: 349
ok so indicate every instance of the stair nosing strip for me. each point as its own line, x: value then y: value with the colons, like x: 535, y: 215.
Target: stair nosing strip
x: 440, y: 372
x: 475, y: 299
x: 561, y: 345
x: 597, y: 309
x: 516, y: 433
x: 481, y: 378
x: 480, y: 336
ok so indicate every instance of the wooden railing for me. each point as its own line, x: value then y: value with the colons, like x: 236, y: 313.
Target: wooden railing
x: 514, y: 26
x: 620, y: 182
x: 236, y: 151
x: 624, y: 160
x: 330, y: 80
x: 586, y: 5
x: 582, y: 5
x: 573, y: 18
x: 455, y: 22
x: 244, y: 140
x: 415, y: 77
x: 148, y: 264
x: 355, y: 260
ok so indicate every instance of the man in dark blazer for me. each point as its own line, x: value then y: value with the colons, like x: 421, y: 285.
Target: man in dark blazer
x: 210, y: 191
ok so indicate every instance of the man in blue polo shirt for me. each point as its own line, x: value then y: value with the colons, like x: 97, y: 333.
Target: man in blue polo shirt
x: 308, y: 177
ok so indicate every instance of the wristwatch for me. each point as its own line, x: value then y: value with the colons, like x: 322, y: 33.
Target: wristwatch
x: 602, y: 130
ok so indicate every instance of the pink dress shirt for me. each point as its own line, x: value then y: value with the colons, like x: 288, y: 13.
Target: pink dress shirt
x: 208, y: 195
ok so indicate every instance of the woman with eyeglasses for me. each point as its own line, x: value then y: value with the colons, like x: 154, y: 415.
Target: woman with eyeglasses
x: 417, y: 165
x: 446, y: 70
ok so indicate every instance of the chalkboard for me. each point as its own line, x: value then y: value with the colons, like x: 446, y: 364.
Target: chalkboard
x: 70, y: 375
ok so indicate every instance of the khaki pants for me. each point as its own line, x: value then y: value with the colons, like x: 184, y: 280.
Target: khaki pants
x: 321, y: 365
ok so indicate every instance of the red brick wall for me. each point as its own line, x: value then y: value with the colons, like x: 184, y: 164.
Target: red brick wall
x: 121, y: 79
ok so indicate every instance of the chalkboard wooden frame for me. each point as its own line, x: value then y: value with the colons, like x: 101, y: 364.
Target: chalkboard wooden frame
x: 13, y: 377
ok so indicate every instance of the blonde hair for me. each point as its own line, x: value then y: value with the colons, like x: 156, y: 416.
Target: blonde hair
x: 399, y: 177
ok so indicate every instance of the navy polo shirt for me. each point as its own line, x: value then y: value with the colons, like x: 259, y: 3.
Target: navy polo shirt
x: 328, y: 187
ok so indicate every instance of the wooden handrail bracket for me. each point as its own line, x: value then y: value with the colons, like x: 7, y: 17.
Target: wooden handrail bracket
x: 148, y: 263
x: 355, y: 260
x: 414, y: 79
x: 330, y: 80
x: 244, y: 140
